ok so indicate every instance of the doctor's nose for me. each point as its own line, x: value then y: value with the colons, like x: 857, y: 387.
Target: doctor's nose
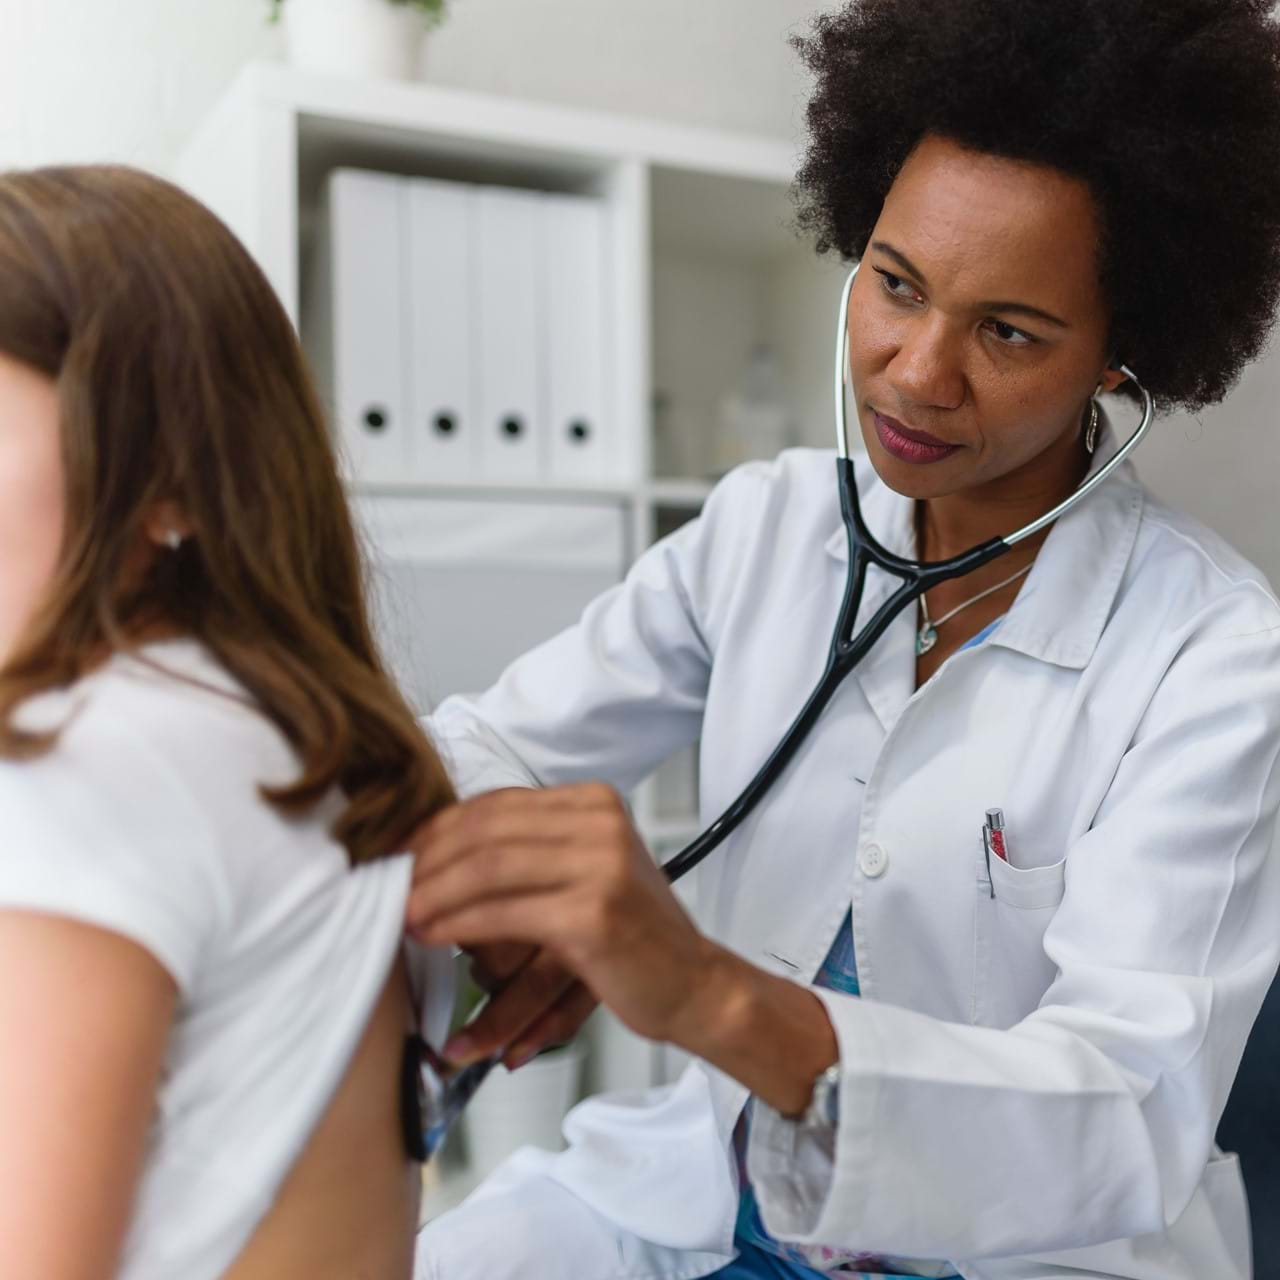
x: 927, y: 370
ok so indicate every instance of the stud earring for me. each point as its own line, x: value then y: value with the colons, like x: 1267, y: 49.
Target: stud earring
x: 173, y: 539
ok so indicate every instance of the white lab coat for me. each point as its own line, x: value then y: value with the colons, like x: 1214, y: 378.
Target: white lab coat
x: 1032, y: 1080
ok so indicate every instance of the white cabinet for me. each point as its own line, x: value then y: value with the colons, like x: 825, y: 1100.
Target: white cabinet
x: 463, y: 586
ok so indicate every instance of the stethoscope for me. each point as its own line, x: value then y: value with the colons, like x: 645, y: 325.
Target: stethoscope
x: 445, y: 1092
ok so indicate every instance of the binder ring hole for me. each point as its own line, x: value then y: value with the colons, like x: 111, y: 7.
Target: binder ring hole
x: 512, y: 428
x: 579, y: 431
x: 445, y: 424
x: 375, y: 419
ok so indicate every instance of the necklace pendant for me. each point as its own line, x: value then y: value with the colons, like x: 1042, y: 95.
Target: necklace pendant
x: 926, y: 638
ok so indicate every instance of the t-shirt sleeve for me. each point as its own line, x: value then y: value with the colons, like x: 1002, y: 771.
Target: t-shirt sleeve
x: 102, y: 830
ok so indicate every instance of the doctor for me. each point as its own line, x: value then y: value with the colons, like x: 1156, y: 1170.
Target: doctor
x: 912, y: 1059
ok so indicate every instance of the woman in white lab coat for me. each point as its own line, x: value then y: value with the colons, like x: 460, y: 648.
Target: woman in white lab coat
x: 912, y: 1059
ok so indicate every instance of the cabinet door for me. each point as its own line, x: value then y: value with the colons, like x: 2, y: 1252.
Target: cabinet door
x: 462, y: 587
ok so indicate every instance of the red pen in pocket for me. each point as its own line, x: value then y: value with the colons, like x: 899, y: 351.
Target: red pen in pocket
x: 995, y: 829
x: 993, y: 841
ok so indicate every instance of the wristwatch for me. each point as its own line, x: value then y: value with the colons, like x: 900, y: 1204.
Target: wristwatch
x: 823, y: 1112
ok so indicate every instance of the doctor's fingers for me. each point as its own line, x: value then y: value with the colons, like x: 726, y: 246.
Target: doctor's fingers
x: 540, y: 817
x: 493, y: 966
x: 553, y: 919
x: 521, y: 804
x: 457, y: 845
x: 558, y: 1025
x: 517, y: 1012
x: 515, y: 802
x: 500, y: 870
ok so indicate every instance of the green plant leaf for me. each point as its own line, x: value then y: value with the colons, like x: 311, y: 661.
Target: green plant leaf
x: 433, y: 12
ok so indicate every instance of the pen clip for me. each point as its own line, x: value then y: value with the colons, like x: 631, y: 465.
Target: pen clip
x: 986, y: 846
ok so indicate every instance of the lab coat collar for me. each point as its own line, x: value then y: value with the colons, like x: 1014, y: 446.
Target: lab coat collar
x: 1060, y: 613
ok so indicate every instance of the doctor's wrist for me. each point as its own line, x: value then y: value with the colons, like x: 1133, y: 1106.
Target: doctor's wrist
x: 770, y: 1034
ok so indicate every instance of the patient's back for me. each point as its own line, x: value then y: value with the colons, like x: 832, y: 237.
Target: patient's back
x: 275, y: 1148
x: 349, y: 1208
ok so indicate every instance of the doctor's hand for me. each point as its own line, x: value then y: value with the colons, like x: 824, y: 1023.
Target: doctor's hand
x: 563, y: 872
x: 534, y: 1002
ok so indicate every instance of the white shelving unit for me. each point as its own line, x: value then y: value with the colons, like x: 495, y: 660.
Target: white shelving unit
x: 705, y: 262
x: 705, y: 267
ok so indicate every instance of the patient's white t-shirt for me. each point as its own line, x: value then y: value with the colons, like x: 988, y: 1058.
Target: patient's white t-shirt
x: 146, y: 820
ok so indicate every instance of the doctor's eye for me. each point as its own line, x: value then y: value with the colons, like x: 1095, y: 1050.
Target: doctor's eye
x: 896, y: 286
x: 1012, y: 337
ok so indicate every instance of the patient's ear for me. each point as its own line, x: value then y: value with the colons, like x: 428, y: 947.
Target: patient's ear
x: 166, y: 525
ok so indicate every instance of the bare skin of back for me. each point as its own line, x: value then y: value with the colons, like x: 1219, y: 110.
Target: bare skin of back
x: 349, y: 1208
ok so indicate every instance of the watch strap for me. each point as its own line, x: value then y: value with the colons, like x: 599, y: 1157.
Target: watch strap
x: 823, y: 1111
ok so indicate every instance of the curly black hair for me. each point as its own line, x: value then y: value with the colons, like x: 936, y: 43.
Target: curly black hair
x: 1168, y: 109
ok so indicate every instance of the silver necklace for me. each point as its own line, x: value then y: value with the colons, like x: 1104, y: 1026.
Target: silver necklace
x: 927, y: 636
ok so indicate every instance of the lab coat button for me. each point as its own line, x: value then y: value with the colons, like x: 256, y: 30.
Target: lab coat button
x: 873, y: 861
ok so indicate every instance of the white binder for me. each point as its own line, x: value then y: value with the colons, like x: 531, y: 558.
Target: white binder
x: 444, y: 441
x: 582, y: 436
x: 365, y: 234
x: 512, y: 419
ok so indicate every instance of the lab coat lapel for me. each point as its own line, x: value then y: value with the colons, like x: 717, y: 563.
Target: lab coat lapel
x: 1064, y: 604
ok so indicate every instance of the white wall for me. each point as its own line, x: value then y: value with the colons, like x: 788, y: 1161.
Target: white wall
x: 128, y: 79
x: 1223, y: 465
x: 120, y: 80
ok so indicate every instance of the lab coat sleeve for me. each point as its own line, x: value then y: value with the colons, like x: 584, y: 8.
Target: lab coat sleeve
x: 612, y: 696
x: 1094, y: 1117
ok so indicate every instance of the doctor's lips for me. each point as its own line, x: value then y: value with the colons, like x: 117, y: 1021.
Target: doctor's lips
x: 910, y: 445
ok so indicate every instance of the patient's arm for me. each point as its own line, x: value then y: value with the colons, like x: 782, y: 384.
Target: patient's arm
x: 84, y: 1016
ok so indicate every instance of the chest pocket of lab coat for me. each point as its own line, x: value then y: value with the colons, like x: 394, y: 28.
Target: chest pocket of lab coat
x: 1011, y: 971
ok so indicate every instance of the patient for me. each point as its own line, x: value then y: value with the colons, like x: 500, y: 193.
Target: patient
x: 205, y: 774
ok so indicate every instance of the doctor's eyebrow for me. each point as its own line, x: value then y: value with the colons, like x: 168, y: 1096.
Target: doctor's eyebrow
x: 1019, y: 308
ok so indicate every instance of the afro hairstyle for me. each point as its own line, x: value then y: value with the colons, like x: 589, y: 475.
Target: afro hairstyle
x: 1169, y: 110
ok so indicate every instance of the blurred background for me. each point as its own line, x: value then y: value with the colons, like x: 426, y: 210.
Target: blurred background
x: 540, y: 257
x: 132, y: 80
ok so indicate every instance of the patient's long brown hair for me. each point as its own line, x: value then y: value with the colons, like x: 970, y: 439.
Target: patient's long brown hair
x: 180, y: 378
